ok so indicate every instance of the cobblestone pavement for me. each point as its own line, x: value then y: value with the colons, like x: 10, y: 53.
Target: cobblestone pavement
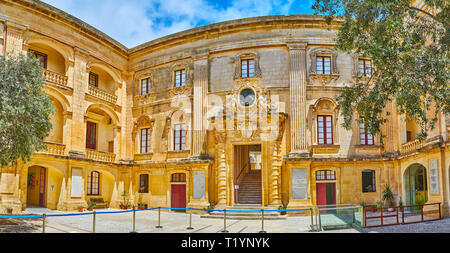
x: 178, y: 222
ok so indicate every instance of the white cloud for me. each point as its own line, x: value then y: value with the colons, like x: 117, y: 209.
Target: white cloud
x: 134, y: 22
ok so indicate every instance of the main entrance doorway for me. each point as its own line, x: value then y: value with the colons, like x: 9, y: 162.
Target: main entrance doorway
x: 326, y: 194
x: 416, y: 190
x: 36, y: 186
x: 247, y: 174
x: 178, y: 191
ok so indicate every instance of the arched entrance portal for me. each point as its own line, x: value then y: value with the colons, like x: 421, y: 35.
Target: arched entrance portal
x: 416, y: 188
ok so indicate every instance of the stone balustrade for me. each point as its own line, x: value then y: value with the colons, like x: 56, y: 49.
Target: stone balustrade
x: 411, y: 146
x: 55, y: 78
x: 100, y: 156
x: 96, y: 92
x: 54, y: 148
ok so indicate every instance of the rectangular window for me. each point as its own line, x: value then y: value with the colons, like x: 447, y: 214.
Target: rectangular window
x: 145, y: 86
x: 111, y: 146
x: 323, y: 65
x: 93, y: 183
x: 91, y: 134
x: 145, y: 140
x: 365, y: 67
x: 325, y: 175
x: 180, y: 78
x: 178, y: 178
x: 248, y: 68
x: 368, y: 181
x: 364, y: 137
x: 40, y: 56
x: 324, y: 129
x: 93, y: 79
x: 143, y: 183
x: 179, y: 137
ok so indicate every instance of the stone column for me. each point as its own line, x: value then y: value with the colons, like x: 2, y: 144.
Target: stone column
x: 297, y: 90
x: 200, y: 92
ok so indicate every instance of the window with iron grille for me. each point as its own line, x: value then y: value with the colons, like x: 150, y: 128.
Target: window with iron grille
x: 178, y: 177
x: 324, y: 129
x: 247, y: 68
x: 325, y: 175
x: 323, y: 65
x: 145, y: 140
x: 93, y: 79
x: 368, y: 181
x: 145, y: 86
x: 93, y: 181
x: 364, y: 137
x: 179, y: 137
x: 143, y: 183
x: 42, y: 58
x: 180, y: 78
x: 365, y: 67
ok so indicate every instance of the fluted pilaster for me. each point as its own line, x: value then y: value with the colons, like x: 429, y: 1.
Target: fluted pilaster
x: 200, y: 90
x: 297, y: 88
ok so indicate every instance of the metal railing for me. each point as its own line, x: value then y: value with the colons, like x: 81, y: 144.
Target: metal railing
x: 386, y: 216
x: 94, y: 214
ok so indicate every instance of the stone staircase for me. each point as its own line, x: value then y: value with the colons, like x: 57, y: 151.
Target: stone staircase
x: 233, y: 213
x: 250, y: 188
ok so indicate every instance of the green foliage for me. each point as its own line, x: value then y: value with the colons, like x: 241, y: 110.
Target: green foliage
x: 409, y: 48
x: 388, y: 194
x: 24, y: 109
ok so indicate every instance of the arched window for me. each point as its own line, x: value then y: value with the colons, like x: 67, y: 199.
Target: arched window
x: 93, y: 183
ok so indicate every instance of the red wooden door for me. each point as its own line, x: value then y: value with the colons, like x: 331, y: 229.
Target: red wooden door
x: 179, y: 197
x: 42, y: 187
x: 326, y: 194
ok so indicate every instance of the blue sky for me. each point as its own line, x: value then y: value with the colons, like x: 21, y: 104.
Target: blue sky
x: 133, y: 22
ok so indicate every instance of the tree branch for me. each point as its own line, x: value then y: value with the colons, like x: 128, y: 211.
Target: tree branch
x: 429, y: 15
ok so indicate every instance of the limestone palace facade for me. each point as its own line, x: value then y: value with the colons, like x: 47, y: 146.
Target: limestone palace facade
x: 234, y: 113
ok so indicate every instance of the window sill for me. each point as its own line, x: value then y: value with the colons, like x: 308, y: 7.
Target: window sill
x: 368, y: 149
x: 143, y: 156
x: 173, y: 154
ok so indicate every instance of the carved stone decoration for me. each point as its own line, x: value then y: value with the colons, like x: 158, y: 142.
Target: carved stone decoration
x: 185, y: 90
x: 186, y: 65
x: 143, y: 121
x: 243, y: 55
x: 275, y: 175
x: 221, y: 168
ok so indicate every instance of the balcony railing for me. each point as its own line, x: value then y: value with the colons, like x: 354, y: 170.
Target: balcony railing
x: 96, y: 92
x: 411, y: 146
x: 100, y: 156
x: 54, y: 148
x: 55, y: 78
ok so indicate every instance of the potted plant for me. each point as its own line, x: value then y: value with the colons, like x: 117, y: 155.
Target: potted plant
x: 400, y: 205
x: 210, y: 207
x: 282, y: 208
x: 125, y: 203
x: 142, y: 205
x: 373, y: 208
x: 91, y: 206
x: 80, y: 208
x: 389, y: 197
x: 9, y: 210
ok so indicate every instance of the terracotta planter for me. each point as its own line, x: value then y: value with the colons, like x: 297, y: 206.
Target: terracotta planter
x: 90, y: 208
x: 391, y: 209
x: 143, y: 207
x: 374, y: 210
x: 80, y: 210
x: 10, y: 211
x: 124, y: 207
x: 283, y: 213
